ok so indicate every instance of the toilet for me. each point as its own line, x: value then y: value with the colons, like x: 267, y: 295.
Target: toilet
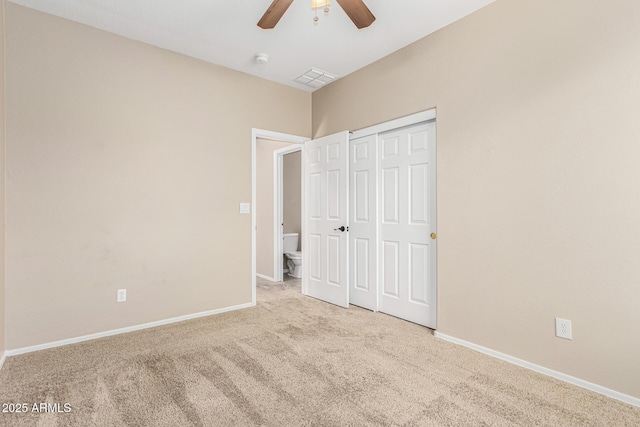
x: 294, y: 257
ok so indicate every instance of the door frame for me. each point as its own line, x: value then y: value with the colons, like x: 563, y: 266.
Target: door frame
x: 278, y: 209
x: 412, y: 119
x: 277, y: 136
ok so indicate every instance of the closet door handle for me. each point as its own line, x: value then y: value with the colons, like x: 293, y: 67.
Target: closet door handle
x: 341, y: 228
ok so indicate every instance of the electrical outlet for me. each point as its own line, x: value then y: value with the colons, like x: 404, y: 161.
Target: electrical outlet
x: 122, y: 295
x: 563, y: 328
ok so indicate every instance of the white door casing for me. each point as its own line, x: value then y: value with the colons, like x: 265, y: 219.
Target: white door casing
x: 407, y: 182
x: 324, y: 247
x: 363, y: 222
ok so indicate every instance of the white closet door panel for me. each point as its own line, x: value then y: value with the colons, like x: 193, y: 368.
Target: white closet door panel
x: 407, y: 181
x: 390, y: 269
x: 361, y: 264
x: 418, y: 203
x: 418, y: 273
x: 390, y: 195
x: 361, y: 185
x: 363, y: 223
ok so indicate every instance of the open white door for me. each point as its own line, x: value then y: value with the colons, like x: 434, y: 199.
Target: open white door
x: 325, y: 241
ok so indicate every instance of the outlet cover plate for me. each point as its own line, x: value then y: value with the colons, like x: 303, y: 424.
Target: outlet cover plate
x: 563, y: 328
x: 122, y: 295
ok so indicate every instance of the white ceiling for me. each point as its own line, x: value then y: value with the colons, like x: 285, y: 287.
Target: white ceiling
x: 224, y: 32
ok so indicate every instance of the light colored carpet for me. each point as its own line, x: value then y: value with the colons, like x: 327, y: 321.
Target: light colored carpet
x: 291, y: 361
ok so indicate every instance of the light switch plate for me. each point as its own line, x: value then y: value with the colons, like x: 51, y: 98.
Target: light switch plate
x: 245, y: 208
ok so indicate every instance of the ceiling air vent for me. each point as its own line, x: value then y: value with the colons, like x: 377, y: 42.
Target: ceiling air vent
x: 316, y: 78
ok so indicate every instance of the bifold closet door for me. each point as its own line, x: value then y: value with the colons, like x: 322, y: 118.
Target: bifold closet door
x: 407, y: 219
x: 363, y: 218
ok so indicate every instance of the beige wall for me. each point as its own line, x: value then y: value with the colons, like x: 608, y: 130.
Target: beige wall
x: 264, y: 205
x: 291, y: 197
x: 126, y: 167
x: 2, y: 264
x: 538, y: 175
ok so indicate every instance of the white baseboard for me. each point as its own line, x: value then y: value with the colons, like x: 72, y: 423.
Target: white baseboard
x: 262, y: 276
x: 542, y: 370
x: 3, y: 358
x: 123, y: 330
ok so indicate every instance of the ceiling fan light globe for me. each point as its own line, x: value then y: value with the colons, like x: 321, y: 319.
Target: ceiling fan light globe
x: 319, y: 4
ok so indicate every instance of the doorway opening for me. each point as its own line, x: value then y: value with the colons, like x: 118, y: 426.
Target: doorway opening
x: 287, y: 204
x: 266, y: 222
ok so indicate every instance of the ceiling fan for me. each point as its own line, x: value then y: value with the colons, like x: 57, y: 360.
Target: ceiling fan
x: 355, y: 9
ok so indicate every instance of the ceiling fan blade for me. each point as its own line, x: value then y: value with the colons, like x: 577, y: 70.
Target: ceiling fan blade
x: 358, y: 12
x: 274, y: 13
